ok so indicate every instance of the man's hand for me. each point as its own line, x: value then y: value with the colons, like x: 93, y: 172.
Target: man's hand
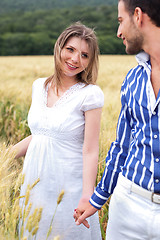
x: 84, y: 210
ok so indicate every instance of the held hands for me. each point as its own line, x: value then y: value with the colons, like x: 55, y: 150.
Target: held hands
x: 84, y: 210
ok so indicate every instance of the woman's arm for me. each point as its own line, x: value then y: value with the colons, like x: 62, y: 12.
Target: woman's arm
x: 90, y: 157
x: 21, y: 147
x: 91, y: 150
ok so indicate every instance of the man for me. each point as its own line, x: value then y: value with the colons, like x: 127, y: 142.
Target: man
x: 133, y: 161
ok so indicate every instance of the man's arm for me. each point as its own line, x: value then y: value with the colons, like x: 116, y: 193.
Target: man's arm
x: 117, y: 154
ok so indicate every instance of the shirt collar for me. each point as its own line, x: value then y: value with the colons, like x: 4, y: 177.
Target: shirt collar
x: 142, y: 57
x: 143, y: 60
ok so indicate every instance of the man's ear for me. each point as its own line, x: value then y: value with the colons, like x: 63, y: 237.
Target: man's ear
x: 138, y: 16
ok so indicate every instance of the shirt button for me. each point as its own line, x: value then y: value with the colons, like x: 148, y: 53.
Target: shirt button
x: 157, y: 160
x: 154, y: 113
x: 155, y: 136
x: 157, y: 181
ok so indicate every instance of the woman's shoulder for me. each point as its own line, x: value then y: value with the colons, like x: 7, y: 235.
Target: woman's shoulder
x: 93, y: 97
x: 39, y: 82
x: 38, y: 87
x: 92, y: 89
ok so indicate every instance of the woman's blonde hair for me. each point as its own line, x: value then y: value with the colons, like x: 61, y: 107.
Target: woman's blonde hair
x: 89, y: 75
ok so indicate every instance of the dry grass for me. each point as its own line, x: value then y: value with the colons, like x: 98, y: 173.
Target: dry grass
x: 11, y: 213
x: 18, y: 73
x: 17, y: 76
x: 9, y: 188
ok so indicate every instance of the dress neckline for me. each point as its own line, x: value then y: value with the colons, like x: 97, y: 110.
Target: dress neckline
x: 65, y: 95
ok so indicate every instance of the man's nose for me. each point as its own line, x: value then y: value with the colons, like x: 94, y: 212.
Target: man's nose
x: 119, y: 33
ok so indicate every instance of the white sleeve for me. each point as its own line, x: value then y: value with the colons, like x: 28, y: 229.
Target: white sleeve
x: 94, y: 98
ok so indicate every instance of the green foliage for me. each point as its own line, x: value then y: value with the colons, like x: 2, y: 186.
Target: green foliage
x: 13, y: 122
x: 35, y: 32
x: 111, y: 43
x: 30, y: 5
x: 103, y: 219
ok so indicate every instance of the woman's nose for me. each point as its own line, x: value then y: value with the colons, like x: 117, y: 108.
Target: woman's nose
x: 75, y: 57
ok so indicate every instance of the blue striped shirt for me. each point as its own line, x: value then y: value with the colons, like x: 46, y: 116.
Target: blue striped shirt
x: 136, y: 150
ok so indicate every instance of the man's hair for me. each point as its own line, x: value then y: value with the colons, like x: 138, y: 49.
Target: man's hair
x: 150, y: 7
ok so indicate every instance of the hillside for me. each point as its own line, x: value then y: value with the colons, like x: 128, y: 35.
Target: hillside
x: 30, y: 5
x: 31, y: 27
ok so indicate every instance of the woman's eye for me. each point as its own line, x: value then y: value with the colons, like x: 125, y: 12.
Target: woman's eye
x: 70, y: 49
x: 84, y: 55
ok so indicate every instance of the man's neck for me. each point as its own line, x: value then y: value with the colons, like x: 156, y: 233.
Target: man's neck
x: 152, y: 45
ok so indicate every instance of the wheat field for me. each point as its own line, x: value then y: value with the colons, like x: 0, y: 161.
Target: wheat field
x: 17, y: 76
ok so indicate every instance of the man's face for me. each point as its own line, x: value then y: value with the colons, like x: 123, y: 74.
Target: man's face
x: 128, y: 31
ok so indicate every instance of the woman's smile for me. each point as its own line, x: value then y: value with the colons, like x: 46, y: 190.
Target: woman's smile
x: 70, y: 66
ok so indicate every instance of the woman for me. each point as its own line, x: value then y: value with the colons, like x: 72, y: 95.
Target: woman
x: 62, y: 151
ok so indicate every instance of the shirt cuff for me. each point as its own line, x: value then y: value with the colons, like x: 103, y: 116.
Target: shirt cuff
x: 99, y: 198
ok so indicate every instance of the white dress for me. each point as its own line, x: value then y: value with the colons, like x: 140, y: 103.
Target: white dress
x: 55, y: 156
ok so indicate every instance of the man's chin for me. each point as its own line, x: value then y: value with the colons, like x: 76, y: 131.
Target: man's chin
x: 133, y: 51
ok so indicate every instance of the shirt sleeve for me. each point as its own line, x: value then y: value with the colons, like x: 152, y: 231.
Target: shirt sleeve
x: 116, y: 156
x: 94, y: 98
x: 37, y: 87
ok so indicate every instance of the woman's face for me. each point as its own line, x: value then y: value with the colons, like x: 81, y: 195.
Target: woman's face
x: 75, y: 56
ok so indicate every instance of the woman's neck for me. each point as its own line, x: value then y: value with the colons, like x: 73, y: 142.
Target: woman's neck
x: 67, y: 82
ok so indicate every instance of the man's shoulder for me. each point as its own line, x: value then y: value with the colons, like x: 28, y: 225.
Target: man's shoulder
x: 132, y: 76
x: 133, y: 73
x: 143, y: 63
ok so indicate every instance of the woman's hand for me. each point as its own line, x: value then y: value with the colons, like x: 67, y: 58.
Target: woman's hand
x: 84, y: 210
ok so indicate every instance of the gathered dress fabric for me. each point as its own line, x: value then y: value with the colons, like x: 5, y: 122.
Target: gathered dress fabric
x: 55, y: 157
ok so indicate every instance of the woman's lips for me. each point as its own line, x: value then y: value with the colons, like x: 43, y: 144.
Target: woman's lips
x: 70, y: 66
